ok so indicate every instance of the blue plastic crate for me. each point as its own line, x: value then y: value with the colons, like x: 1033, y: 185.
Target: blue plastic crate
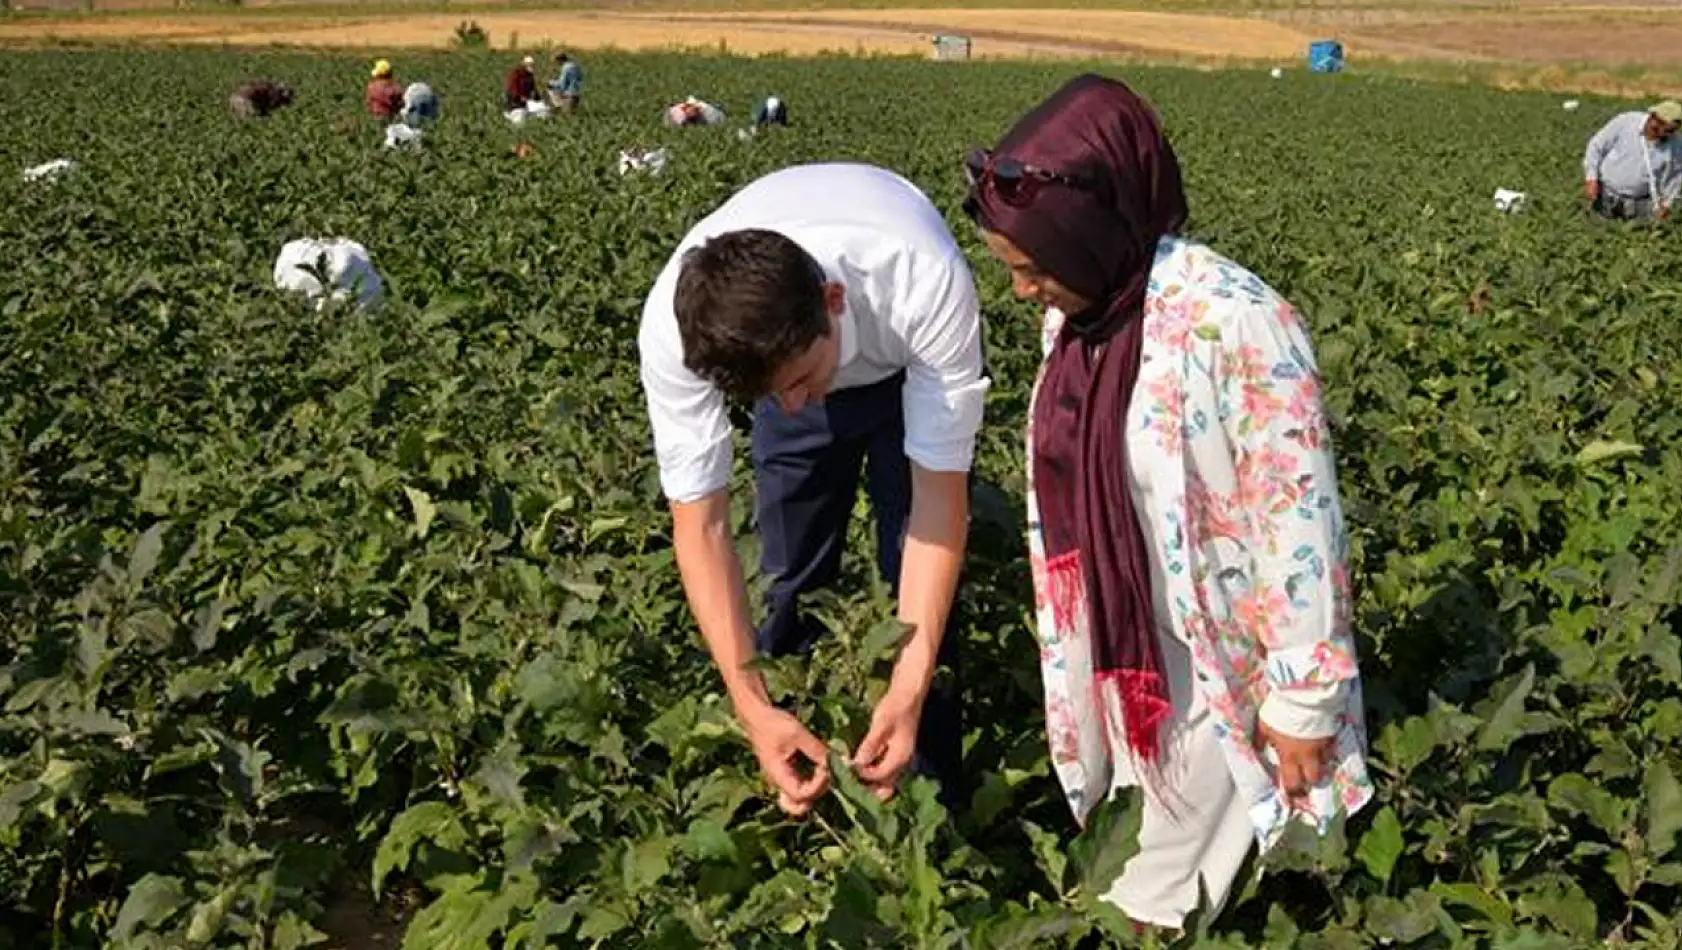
x: 1325, y: 56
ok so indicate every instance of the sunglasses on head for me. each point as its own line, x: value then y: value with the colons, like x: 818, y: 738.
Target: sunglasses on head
x: 1016, y: 183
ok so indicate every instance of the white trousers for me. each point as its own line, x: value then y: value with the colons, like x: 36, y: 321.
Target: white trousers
x: 1195, y: 824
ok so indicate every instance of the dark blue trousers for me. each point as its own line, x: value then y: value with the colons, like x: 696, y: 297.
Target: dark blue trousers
x: 806, y: 468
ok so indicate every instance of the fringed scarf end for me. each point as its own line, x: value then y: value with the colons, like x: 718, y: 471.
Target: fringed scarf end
x: 1145, y: 712
x: 1065, y: 589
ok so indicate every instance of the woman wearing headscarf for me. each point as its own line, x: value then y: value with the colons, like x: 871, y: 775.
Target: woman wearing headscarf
x: 1186, y: 538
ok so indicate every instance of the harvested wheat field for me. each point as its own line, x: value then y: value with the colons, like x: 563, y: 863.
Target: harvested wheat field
x: 996, y: 33
x: 1622, y: 48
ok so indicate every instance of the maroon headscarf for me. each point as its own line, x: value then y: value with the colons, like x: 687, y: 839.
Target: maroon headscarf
x: 1096, y: 186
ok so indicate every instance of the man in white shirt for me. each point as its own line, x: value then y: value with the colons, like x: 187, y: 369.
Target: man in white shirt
x: 1632, y: 167
x: 834, y: 299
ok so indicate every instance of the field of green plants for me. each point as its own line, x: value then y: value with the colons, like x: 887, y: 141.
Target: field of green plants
x: 350, y: 629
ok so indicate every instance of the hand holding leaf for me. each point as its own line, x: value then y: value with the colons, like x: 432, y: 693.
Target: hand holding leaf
x: 794, y: 761
x: 889, y: 745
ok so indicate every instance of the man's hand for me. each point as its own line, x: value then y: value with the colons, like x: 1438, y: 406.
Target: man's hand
x: 889, y: 745
x: 794, y: 761
x: 1591, y: 189
x: 1302, y: 762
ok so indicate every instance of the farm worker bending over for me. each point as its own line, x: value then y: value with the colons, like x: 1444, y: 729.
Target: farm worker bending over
x: 259, y: 98
x: 771, y: 111
x: 520, y: 87
x: 1188, y: 551
x: 420, y: 103
x: 834, y: 299
x: 384, y: 97
x: 1633, y: 165
x: 567, y: 87
x: 693, y: 111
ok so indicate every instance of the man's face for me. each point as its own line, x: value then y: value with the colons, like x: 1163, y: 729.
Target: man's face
x: 1658, y: 130
x: 806, y: 379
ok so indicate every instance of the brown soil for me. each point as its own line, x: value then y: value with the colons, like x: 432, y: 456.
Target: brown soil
x: 354, y: 921
x: 1629, y: 41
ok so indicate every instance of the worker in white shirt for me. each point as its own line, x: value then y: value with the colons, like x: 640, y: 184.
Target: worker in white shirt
x: 1632, y: 167
x: 834, y: 299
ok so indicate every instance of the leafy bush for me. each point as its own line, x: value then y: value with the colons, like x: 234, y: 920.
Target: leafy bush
x: 297, y: 604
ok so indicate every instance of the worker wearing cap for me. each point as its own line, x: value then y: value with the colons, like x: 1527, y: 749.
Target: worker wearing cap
x: 521, y: 85
x: 770, y: 111
x: 384, y: 96
x: 1633, y: 165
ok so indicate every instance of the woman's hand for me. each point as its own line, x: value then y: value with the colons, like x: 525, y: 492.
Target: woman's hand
x: 1303, y: 763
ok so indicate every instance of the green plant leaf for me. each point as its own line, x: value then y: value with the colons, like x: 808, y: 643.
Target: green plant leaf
x: 1477, y: 898
x: 1507, y: 720
x: 1108, y: 842
x: 144, y: 557
x: 424, y: 510
x: 150, y: 902
x: 646, y: 862
x: 1381, y: 845
x: 1576, y: 794
x: 1602, y: 450
x: 1663, y: 804
x: 708, y: 840
x: 431, y: 821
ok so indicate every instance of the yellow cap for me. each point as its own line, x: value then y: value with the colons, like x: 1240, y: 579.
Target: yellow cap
x: 382, y: 68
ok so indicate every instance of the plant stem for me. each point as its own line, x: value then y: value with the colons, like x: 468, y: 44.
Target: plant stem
x: 64, y: 873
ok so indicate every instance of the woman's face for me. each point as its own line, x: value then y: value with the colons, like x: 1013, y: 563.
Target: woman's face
x: 1028, y: 282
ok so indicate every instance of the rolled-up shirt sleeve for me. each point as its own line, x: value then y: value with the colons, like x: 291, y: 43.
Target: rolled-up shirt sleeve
x: 1670, y: 189
x: 944, y: 386
x: 688, y: 414
x: 1598, y: 147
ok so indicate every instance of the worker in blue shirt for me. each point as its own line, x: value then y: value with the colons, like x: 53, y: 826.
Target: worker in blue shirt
x: 566, y: 88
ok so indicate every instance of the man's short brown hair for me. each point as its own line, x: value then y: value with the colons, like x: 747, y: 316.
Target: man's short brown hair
x: 748, y: 302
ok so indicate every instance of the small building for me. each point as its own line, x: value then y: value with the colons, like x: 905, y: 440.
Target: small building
x: 1325, y: 56
x: 948, y: 46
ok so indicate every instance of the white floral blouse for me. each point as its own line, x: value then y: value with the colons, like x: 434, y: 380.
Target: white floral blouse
x: 1233, y: 478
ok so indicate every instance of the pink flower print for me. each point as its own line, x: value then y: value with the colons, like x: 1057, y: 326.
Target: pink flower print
x: 1201, y: 633
x: 1235, y: 639
x: 1246, y: 363
x: 1265, y: 481
x: 1170, y: 330
x: 1062, y: 730
x: 1304, y: 406
x: 1308, y: 422
x: 1260, y: 405
x: 1256, y: 487
x: 1207, y: 514
x: 1352, y: 793
x: 1259, y: 611
x: 1340, y: 580
x: 1332, y: 663
x: 1286, y: 315
x: 1166, y: 411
